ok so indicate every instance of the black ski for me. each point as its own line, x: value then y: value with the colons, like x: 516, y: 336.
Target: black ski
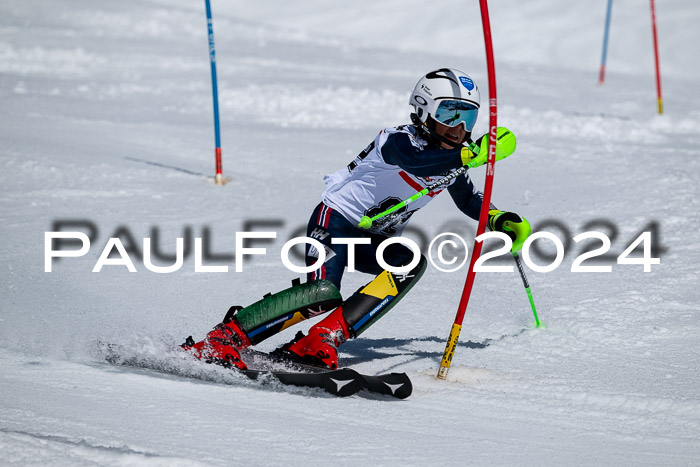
x: 342, y: 382
x: 390, y: 384
x: 396, y: 385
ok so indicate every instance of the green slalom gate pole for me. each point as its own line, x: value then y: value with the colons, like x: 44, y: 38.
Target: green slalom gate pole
x: 527, y: 289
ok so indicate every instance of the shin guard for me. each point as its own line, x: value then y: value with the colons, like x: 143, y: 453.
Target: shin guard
x: 374, y: 300
x: 276, y: 312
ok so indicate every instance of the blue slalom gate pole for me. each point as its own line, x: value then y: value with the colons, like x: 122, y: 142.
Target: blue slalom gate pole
x: 215, y: 95
x: 601, y: 79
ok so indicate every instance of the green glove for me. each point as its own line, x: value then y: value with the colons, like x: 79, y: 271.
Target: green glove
x: 511, y: 224
x: 505, y: 146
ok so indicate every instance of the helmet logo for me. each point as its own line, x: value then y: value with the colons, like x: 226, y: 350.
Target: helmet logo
x: 426, y: 89
x: 420, y: 99
x: 467, y: 82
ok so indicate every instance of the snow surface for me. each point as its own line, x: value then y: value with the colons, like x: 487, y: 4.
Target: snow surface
x: 106, y: 118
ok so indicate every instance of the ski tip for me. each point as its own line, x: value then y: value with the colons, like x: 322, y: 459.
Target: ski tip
x: 403, y: 388
x: 396, y: 385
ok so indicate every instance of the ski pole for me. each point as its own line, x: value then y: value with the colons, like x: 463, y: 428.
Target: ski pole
x: 527, y: 289
x: 366, y: 221
x: 505, y: 137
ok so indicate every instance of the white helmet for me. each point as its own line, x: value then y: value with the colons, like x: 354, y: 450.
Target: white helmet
x: 448, y: 96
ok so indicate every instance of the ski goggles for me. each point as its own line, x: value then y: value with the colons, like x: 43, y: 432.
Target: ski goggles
x: 452, y: 112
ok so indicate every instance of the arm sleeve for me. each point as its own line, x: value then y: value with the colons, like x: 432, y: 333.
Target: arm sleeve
x: 466, y: 197
x: 398, y: 150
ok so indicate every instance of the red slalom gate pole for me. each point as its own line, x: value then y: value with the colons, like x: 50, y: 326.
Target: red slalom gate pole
x: 488, y: 186
x: 656, y: 58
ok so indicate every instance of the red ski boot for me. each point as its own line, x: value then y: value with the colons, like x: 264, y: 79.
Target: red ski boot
x: 221, y: 346
x: 319, y: 347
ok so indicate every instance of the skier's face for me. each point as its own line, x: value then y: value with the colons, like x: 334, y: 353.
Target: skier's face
x: 453, y: 133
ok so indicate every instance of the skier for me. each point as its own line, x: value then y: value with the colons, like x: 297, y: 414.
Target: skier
x: 399, y: 162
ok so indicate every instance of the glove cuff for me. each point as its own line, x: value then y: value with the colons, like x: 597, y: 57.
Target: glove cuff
x: 516, y: 227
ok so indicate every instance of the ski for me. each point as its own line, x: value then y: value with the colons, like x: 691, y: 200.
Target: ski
x: 263, y: 367
x: 343, y: 382
x: 396, y: 385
